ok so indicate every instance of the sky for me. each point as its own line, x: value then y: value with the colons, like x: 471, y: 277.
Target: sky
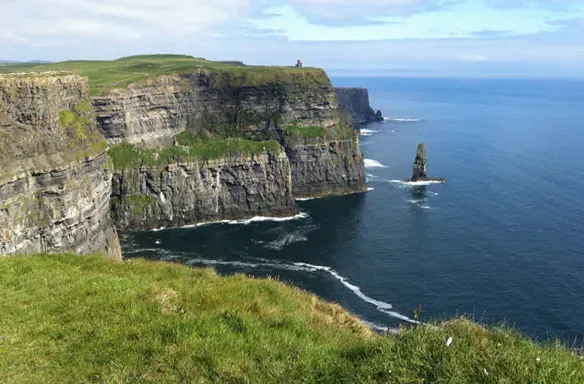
x: 395, y: 37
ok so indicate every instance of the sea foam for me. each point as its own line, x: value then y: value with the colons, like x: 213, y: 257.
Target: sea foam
x: 373, y: 164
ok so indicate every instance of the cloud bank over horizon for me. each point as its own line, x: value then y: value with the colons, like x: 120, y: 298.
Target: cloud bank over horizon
x: 437, y: 35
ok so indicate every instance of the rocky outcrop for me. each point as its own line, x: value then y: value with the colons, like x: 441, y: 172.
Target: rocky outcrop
x: 322, y: 167
x: 194, y: 192
x: 421, y: 166
x: 355, y: 101
x: 55, y: 180
x: 244, y: 102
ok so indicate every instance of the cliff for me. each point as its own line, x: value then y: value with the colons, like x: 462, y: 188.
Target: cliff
x: 295, y: 106
x: 195, y: 141
x: 194, y: 189
x: 326, y: 166
x: 355, y: 101
x: 54, y: 178
x: 243, y: 102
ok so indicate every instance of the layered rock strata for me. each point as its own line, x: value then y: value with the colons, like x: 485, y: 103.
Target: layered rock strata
x: 322, y: 167
x: 55, y: 181
x: 256, y: 104
x: 188, y: 193
x: 243, y: 103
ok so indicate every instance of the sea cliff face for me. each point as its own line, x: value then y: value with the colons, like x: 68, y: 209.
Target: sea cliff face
x: 55, y: 181
x: 322, y: 166
x: 197, y: 145
x: 243, y: 103
x: 256, y: 104
x: 198, y: 191
x: 355, y: 101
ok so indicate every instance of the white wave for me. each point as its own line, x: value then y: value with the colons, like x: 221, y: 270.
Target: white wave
x: 366, y: 134
x: 370, y: 189
x: 305, y: 198
x: 159, y: 229
x: 415, y: 183
x: 368, y: 131
x: 425, y: 207
x: 278, y: 264
x: 345, y: 282
x: 417, y: 201
x: 158, y: 241
x: 401, y: 120
x: 373, y: 164
x: 254, y: 219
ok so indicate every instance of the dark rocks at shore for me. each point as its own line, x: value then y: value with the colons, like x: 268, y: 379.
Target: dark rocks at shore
x: 421, y: 167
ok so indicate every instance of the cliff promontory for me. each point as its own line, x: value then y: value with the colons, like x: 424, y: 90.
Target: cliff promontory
x: 55, y: 181
x: 355, y: 101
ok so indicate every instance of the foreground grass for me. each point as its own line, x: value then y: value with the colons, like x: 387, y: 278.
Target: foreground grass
x: 107, y: 75
x: 71, y: 319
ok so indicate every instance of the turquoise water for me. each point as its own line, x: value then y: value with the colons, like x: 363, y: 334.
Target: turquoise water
x: 502, y: 240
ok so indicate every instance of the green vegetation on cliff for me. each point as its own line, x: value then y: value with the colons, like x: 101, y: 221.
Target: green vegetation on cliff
x: 81, y: 131
x: 189, y: 147
x: 107, y: 75
x: 72, y: 319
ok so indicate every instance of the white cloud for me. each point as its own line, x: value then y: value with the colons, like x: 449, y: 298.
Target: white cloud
x: 37, y: 21
x: 329, y: 9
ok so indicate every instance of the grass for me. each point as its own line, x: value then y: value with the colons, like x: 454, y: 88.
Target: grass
x: 106, y: 75
x: 126, y: 155
x: 81, y: 131
x: 71, y: 319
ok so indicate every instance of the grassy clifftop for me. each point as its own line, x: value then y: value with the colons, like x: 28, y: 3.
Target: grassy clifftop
x: 86, y: 319
x: 106, y: 75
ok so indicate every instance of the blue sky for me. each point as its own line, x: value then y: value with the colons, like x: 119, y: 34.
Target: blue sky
x: 409, y: 37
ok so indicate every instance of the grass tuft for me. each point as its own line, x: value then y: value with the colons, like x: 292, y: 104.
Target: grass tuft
x: 67, y: 318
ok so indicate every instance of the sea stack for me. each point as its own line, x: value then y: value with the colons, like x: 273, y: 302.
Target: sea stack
x: 421, y: 167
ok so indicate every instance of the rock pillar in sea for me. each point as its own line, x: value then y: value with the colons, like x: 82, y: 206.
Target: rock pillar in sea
x: 421, y: 167
x: 421, y: 164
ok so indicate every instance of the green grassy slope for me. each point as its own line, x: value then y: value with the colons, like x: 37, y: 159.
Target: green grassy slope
x: 106, y: 75
x: 71, y: 319
x: 189, y: 148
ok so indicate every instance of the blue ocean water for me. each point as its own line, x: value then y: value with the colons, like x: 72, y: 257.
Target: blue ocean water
x: 501, y: 241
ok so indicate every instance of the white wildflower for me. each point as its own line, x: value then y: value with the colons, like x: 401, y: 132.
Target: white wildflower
x: 538, y: 359
x: 486, y: 372
x: 449, y: 342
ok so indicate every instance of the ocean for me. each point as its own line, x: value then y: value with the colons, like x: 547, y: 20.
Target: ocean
x: 503, y: 240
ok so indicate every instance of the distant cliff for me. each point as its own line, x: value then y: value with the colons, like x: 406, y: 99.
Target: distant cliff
x: 355, y: 101
x: 55, y: 181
